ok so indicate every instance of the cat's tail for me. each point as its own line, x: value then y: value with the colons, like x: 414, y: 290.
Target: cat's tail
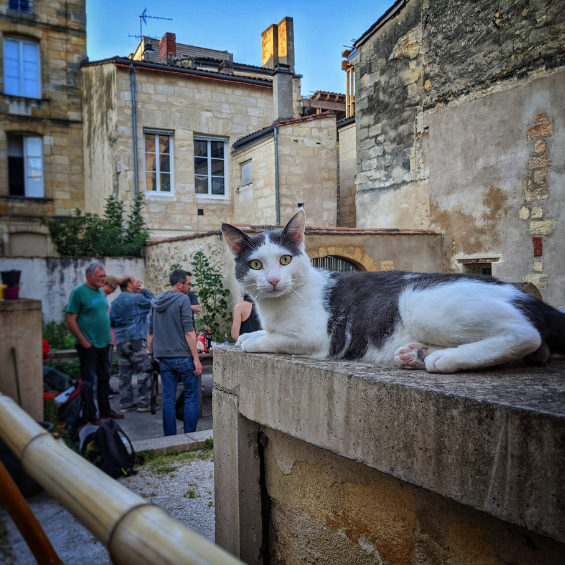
x: 549, y: 322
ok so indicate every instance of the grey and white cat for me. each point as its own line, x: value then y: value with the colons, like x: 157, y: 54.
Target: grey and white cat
x: 443, y: 323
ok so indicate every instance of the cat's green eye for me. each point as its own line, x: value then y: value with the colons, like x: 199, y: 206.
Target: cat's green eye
x: 286, y: 259
x: 256, y: 264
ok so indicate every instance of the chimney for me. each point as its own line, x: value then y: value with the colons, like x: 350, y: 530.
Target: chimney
x: 282, y: 92
x: 168, y: 49
x: 286, y: 43
x: 270, y: 41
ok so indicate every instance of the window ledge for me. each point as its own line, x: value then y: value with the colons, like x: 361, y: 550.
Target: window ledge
x: 33, y: 199
x: 212, y: 198
x: 160, y: 196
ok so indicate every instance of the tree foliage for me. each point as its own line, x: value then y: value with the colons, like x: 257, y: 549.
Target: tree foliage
x: 115, y: 234
x: 209, y: 285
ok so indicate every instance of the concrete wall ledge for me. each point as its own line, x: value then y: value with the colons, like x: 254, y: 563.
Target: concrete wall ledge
x: 493, y: 440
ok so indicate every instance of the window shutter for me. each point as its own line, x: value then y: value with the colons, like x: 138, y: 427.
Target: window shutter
x: 247, y: 173
x: 34, y: 167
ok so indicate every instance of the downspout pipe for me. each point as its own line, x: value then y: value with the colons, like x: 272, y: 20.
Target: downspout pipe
x: 277, y: 199
x: 134, y: 126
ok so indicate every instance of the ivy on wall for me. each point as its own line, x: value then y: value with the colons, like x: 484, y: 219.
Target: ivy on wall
x: 114, y: 234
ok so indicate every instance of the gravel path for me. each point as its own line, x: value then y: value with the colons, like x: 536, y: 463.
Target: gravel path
x: 183, y: 485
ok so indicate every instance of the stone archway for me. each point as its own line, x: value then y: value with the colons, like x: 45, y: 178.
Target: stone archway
x: 353, y: 254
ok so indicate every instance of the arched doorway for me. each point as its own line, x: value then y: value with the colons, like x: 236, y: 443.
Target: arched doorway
x: 332, y: 263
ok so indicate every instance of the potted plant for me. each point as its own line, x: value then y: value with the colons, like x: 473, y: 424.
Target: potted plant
x: 12, y: 281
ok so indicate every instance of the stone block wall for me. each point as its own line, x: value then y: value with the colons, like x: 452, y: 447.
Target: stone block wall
x: 59, y: 28
x: 188, y: 106
x: 451, y: 99
x: 254, y: 204
x: 308, y: 170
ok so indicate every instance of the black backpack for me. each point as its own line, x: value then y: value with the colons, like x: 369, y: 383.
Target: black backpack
x: 114, y: 457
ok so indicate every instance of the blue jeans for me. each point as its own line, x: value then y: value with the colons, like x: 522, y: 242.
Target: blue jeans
x: 171, y: 369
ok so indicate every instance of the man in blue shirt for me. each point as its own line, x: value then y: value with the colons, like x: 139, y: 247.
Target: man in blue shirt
x: 128, y: 316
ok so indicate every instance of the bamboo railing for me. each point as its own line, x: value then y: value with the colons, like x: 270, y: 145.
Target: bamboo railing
x: 132, y: 530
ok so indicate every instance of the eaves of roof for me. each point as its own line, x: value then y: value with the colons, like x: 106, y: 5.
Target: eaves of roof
x: 243, y: 142
x: 345, y: 122
x: 392, y: 12
x: 158, y: 67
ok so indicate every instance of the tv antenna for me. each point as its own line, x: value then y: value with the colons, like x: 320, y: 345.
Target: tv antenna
x: 143, y: 20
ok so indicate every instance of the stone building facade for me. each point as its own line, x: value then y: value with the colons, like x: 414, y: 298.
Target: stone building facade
x: 42, y: 44
x: 191, y: 105
x: 460, y: 124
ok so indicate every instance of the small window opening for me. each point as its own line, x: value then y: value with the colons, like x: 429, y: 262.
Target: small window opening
x: 483, y: 269
x: 200, y: 212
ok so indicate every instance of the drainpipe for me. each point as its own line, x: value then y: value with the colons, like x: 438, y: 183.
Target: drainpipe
x: 134, y: 125
x: 277, y: 200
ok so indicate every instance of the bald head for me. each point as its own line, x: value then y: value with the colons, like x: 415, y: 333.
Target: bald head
x: 126, y: 282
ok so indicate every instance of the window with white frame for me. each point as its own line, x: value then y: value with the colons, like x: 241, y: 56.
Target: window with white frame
x: 210, y: 166
x: 25, y: 6
x: 159, y: 176
x: 25, y: 166
x: 247, y: 173
x: 21, y: 68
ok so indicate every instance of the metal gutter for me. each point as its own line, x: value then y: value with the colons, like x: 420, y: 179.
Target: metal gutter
x: 134, y: 126
x: 277, y: 198
x: 252, y: 138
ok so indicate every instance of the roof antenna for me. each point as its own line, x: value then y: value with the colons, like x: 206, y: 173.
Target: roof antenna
x: 143, y: 20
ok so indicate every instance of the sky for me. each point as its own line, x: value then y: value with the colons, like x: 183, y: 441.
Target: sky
x: 321, y: 30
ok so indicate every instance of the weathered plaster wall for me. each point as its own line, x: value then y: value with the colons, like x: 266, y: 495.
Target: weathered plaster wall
x: 60, y: 30
x: 308, y: 170
x: 347, y: 170
x: 100, y: 136
x: 52, y: 279
x: 188, y: 107
x: 325, y: 508
x: 515, y: 199
x: 447, y: 95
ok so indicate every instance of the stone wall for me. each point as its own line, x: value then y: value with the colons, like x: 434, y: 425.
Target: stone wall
x: 159, y: 256
x: 51, y: 280
x: 344, y: 462
x: 308, y: 170
x: 187, y: 106
x: 59, y: 27
x: 254, y: 204
x: 448, y: 111
x: 347, y: 170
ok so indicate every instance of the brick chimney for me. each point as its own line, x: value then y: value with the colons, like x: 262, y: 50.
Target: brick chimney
x: 168, y: 49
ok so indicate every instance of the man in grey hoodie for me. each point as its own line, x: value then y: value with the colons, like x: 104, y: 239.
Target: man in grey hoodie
x: 172, y: 342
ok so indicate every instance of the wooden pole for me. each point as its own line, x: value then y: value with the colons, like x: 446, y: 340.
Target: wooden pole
x: 132, y: 530
x: 25, y: 520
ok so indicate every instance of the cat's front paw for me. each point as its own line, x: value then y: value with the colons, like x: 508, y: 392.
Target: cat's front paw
x: 249, y: 336
x: 252, y: 345
x: 411, y: 357
x: 245, y: 337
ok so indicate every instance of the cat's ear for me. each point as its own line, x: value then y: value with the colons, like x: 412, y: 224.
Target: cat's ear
x: 294, y: 230
x: 235, y: 238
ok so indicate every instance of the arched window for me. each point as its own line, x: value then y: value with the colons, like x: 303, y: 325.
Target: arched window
x: 331, y: 263
x: 22, y: 75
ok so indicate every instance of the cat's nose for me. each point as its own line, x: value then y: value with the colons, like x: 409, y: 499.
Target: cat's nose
x: 274, y: 281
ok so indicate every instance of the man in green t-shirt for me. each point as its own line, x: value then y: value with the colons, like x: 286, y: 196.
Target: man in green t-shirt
x: 88, y: 321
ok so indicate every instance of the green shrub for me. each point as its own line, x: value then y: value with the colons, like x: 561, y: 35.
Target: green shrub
x: 71, y: 368
x: 112, y: 235
x: 209, y: 285
x: 58, y: 335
